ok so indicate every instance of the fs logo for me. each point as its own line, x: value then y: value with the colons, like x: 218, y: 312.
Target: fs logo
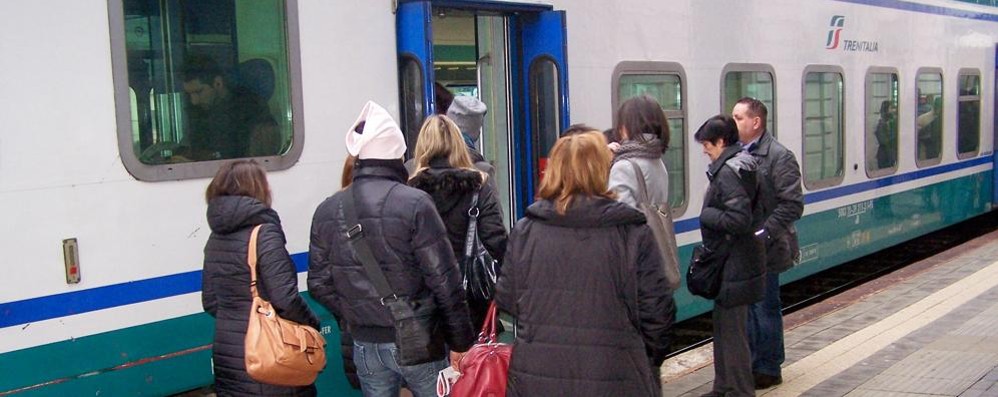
x: 833, y: 34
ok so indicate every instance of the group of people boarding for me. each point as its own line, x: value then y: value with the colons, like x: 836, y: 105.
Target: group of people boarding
x: 581, y: 273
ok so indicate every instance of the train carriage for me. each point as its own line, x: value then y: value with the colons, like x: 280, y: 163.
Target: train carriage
x: 889, y: 106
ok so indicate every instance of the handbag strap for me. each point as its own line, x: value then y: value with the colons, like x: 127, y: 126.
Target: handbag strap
x: 355, y: 236
x: 642, y: 186
x: 251, y: 259
x: 469, y: 238
x: 488, y: 334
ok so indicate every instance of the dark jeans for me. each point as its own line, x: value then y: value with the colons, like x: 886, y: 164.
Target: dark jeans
x: 381, y: 376
x: 765, y: 329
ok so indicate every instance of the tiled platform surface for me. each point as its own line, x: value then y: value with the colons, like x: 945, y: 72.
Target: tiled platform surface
x: 930, y: 330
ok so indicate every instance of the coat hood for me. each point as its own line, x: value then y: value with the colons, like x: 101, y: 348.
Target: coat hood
x: 446, y: 185
x: 586, y: 212
x: 227, y: 214
x: 733, y: 157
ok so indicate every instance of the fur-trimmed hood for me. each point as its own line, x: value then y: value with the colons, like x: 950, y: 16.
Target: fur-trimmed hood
x: 447, y: 186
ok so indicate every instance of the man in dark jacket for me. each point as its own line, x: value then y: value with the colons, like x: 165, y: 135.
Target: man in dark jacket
x: 783, y: 204
x: 403, y: 229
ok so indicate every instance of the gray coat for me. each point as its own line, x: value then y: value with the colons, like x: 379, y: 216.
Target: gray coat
x: 624, y: 182
x: 782, y: 201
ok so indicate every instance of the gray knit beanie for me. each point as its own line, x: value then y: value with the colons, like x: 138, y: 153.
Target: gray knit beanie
x: 468, y: 113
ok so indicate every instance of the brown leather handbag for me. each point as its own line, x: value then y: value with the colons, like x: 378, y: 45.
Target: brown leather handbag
x: 279, y: 351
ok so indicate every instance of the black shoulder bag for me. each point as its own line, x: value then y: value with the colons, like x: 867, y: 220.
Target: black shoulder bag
x: 478, y: 267
x: 416, y: 322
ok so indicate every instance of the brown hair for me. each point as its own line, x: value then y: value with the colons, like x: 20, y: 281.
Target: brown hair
x: 755, y: 109
x: 578, y: 164
x: 440, y: 137
x: 347, y: 177
x: 642, y: 115
x: 240, y: 178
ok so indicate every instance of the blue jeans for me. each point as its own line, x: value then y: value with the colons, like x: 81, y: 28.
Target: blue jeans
x: 381, y: 376
x: 765, y: 329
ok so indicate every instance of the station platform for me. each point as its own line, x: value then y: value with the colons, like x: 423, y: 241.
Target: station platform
x: 929, y: 329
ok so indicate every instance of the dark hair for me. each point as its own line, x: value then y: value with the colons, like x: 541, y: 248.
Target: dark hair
x: 717, y: 128
x: 443, y: 97
x: 202, y: 68
x: 577, y: 129
x: 643, y: 115
x: 611, y: 135
x: 755, y: 109
x: 240, y: 178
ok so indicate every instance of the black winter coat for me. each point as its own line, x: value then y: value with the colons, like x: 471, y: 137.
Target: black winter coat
x: 452, y: 190
x: 730, y: 217
x: 589, y: 292
x: 403, y: 229
x: 781, y: 199
x: 226, y: 295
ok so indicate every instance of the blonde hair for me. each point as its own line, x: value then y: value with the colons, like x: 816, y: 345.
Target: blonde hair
x: 578, y: 164
x: 440, y: 137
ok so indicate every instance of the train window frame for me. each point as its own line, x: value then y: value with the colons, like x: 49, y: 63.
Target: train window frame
x: 535, y: 95
x: 771, y: 109
x: 879, y: 172
x: 647, y: 68
x: 410, y: 118
x: 928, y: 162
x: 204, y: 168
x: 836, y: 179
x: 960, y: 98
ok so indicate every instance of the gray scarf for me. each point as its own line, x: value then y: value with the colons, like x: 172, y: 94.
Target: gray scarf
x: 629, y: 149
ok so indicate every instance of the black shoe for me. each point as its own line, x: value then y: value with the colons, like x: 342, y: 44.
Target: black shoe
x: 763, y: 381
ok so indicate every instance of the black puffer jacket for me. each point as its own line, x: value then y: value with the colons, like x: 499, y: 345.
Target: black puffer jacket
x: 452, y: 190
x: 226, y: 289
x: 403, y: 230
x: 730, y: 217
x: 589, y: 292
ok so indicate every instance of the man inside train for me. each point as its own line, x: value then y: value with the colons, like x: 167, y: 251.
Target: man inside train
x: 783, y: 204
x: 224, y: 120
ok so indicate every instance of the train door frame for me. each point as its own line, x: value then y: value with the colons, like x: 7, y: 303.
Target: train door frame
x: 536, y: 33
x: 994, y: 133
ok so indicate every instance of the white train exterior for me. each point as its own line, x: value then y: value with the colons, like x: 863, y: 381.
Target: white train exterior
x: 133, y: 323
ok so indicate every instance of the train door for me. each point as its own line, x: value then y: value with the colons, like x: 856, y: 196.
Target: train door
x: 994, y: 132
x: 509, y: 55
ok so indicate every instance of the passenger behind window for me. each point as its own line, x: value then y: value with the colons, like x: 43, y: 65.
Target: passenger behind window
x: 930, y: 130
x: 225, y: 120
x: 886, y: 134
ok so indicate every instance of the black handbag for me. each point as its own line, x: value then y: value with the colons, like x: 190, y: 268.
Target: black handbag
x: 704, y: 275
x: 417, y: 336
x: 477, y: 266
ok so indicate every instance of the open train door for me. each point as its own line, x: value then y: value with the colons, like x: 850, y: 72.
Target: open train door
x: 542, y: 70
x: 414, y: 38
x: 511, y: 56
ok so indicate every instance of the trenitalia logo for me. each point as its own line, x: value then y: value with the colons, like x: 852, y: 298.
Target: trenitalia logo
x: 835, y: 40
x: 833, y: 34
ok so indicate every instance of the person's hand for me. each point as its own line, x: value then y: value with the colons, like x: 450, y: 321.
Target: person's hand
x: 614, y: 146
x: 455, y: 359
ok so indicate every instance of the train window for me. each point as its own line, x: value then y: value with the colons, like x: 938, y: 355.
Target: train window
x: 968, y: 135
x: 824, y: 119
x: 881, y: 121
x: 929, y: 119
x: 664, y: 81
x: 750, y: 80
x: 544, y: 113
x: 198, y: 82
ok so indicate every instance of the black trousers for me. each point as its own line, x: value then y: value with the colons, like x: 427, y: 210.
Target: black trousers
x: 732, y: 357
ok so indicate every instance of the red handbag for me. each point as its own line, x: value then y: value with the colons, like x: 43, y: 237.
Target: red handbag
x: 484, y: 368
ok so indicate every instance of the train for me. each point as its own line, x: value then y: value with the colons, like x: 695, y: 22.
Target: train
x: 889, y: 106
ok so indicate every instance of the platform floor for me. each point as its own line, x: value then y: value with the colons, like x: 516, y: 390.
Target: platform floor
x: 930, y: 329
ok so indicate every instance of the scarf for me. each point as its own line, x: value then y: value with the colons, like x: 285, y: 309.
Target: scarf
x: 629, y: 149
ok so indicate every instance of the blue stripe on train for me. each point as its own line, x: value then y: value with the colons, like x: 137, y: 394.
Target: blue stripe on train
x: 927, y: 9
x: 71, y: 303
